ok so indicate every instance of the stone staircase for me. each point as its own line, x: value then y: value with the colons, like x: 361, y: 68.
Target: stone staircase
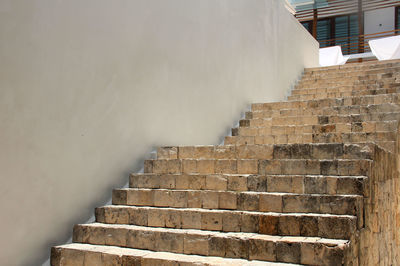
x: 297, y: 182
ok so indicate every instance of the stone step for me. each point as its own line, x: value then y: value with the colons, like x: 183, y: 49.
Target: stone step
x: 208, y: 243
x: 242, y: 201
x: 371, y: 84
x: 299, y: 184
x: 330, y: 95
x: 354, y: 90
x: 95, y: 255
x: 282, y: 224
x: 317, y: 134
x: 355, y: 67
x: 371, y: 130
x: 254, y: 166
x: 331, y: 102
x: 269, y: 151
x: 300, y: 120
x: 382, y: 139
x: 376, y: 75
x: 255, y: 127
x: 334, y: 110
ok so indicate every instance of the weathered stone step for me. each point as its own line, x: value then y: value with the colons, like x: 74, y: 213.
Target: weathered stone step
x: 282, y: 224
x: 208, y: 243
x: 354, y: 90
x: 346, y: 132
x: 254, y: 166
x: 334, y: 110
x: 331, y: 102
x: 300, y: 184
x: 380, y: 83
x: 260, y: 127
x: 383, y: 139
x: 378, y: 76
x: 243, y: 201
x: 373, y: 127
x: 319, y: 119
x: 95, y: 255
x: 331, y: 95
x: 365, y: 66
x: 269, y: 151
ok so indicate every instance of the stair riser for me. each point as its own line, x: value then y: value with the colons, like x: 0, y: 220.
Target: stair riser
x: 347, y: 132
x: 355, y: 90
x: 85, y: 254
x: 245, y: 201
x: 306, y: 97
x: 258, y: 126
x: 330, y: 111
x: 372, y: 118
x: 323, y: 103
x: 206, y: 245
x: 295, y: 151
x: 290, y: 184
x: 361, y: 80
x: 332, y: 227
x: 263, y: 167
x: 385, y: 140
x: 353, y: 69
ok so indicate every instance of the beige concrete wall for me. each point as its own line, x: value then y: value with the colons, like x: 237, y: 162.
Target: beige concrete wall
x: 89, y: 87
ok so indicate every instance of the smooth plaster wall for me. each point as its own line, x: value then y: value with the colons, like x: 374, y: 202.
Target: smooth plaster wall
x: 379, y: 20
x: 89, y: 87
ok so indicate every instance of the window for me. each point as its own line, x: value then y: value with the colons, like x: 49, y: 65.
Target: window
x: 340, y: 30
x: 307, y: 25
x: 397, y: 18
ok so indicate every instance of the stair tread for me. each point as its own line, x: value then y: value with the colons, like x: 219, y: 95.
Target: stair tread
x: 238, y: 192
x: 241, y: 235
x: 327, y: 215
x: 168, y: 256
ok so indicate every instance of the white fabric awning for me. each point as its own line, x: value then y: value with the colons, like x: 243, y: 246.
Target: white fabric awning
x: 332, y: 56
x: 386, y: 48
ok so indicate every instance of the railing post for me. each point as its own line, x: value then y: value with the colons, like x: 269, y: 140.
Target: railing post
x: 314, y: 24
x: 360, y: 27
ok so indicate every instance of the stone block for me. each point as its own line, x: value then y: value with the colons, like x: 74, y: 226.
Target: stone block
x: 257, y: 183
x: 247, y: 166
x: 206, y: 166
x: 138, y: 216
x: 269, y: 224
x: 216, y: 182
x: 270, y: 203
x: 196, y: 244
x: 231, y: 222
x: 211, y: 221
x: 210, y: 200
x: 140, y: 197
x: 288, y: 252
x: 226, y: 166
x: 289, y: 225
x: 228, y: 200
x: 249, y: 222
x: 248, y: 201
x: 191, y: 220
x: 167, y: 153
x: 237, y: 183
x: 260, y: 249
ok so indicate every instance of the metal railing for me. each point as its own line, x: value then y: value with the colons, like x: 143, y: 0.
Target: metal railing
x: 358, y: 43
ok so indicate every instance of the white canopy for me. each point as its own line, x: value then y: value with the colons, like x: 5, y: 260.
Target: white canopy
x: 386, y: 48
x: 332, y: 56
